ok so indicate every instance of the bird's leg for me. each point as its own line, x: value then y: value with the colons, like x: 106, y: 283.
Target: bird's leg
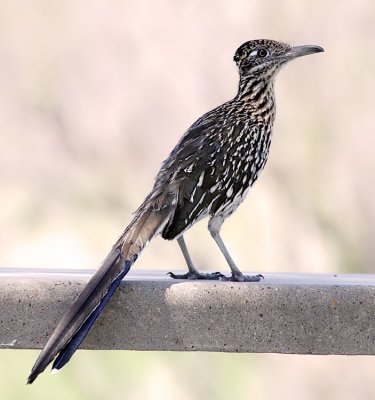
x: 193, y: 273
x: 214, y: 226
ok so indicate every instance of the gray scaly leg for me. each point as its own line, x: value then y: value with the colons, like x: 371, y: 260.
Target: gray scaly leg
x: 214, y: 226
x: 193, y: 273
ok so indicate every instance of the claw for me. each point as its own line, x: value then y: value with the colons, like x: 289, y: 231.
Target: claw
x: 243, y: 278
x: 197, y: 275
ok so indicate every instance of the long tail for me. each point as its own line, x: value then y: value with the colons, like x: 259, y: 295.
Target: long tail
x: 149, y: 220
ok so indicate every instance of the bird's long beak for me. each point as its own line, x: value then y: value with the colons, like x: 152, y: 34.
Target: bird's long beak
x: 300, y: 51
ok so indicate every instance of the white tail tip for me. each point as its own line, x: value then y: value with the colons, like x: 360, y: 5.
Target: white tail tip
x: 54, y: 371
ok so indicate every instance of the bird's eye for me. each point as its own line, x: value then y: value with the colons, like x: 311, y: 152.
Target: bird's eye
x: 260, y: 53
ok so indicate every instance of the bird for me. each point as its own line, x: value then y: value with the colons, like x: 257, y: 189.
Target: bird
x: 207, y: 174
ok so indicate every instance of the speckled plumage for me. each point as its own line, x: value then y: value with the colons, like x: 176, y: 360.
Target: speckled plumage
x: 207, y: 174
x: 216, y: 162
x: 222, y: 154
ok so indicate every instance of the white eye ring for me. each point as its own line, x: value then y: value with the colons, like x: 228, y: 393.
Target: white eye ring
x: 257, y: 52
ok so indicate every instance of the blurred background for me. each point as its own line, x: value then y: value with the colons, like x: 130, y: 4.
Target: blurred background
x: 94, y: 95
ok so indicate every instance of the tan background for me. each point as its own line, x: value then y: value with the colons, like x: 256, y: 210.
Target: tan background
x: 93, y: 96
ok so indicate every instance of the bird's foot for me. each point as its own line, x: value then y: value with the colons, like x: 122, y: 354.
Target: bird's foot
x: 215, y: 276
x: 242, y: 278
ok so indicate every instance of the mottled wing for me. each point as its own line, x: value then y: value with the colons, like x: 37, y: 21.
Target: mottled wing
x: 214, y: 166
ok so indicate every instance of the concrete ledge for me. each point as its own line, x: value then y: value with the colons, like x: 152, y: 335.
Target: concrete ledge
x: 285, y: 313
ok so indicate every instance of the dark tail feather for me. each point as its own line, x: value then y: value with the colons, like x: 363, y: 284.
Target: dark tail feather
x: 80, y: 317
x: 67, y: 352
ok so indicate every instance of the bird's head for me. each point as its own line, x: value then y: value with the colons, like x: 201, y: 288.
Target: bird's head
x: 265, y: 57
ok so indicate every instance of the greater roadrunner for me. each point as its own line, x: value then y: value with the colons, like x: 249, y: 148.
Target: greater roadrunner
x: 208, y: 174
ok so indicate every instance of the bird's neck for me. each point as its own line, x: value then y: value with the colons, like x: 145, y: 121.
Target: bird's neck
x: 255, y: 88
x: 257, y: 94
